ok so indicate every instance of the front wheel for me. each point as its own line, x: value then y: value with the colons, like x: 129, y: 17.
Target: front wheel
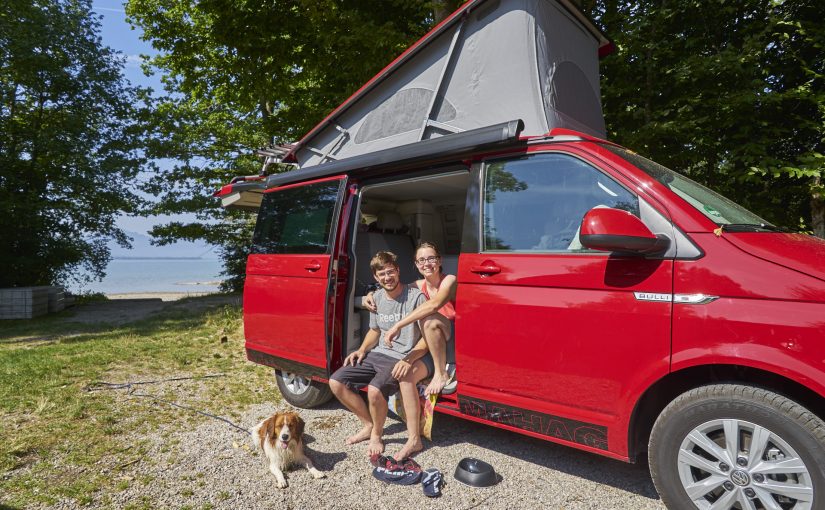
x: 301, y: 391
x: 730, y: 446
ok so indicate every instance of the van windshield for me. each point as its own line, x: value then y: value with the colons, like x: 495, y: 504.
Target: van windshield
x: 725, y: 213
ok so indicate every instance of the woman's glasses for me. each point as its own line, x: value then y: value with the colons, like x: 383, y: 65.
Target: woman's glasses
x: 424, y: 260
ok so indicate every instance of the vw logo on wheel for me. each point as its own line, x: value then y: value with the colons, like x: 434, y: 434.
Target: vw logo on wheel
x: 740, y: 477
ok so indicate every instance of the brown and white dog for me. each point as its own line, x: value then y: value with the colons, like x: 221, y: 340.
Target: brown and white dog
x: 281, y: 437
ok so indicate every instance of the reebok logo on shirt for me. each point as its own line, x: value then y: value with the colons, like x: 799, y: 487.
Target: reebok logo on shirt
x: 389, y: 317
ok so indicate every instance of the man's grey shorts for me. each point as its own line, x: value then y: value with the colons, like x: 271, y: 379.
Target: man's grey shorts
x: 375, y: 370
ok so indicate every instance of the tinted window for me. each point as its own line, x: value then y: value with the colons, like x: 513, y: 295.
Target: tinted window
x: 536, y: 203
x: 296, y: 220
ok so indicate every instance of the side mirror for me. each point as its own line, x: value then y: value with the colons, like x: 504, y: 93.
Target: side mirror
x: 609, y: 229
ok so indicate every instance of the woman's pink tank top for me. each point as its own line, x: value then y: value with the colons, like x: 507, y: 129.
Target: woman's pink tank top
x: 448, y: 310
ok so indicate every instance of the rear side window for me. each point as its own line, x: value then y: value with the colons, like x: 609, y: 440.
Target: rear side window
x: 296, y: 220
x: 536, y: 203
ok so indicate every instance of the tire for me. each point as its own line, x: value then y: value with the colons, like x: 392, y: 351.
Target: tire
x: 692, y: 468
x: 301, y: 391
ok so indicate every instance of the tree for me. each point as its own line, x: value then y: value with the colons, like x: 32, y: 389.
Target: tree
x: 733, y: 99
x: 69, y: 141
x: 731, y: 94
x: 240, y: 73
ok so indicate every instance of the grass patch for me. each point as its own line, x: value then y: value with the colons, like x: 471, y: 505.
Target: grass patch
x: 60, y: 440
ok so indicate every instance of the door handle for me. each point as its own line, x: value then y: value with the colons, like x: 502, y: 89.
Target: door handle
x: 312, y: 266
x: 486, y: 268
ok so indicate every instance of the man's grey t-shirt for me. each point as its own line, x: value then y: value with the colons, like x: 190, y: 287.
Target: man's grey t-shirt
x: 389, y: 311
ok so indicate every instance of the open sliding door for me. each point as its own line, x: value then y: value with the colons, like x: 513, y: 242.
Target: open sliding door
x: 289, y: 274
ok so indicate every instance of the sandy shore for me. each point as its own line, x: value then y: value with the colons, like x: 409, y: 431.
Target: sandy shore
x: 163, y: 296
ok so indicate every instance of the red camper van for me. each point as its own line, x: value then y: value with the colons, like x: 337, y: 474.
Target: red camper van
x: 604, y: 302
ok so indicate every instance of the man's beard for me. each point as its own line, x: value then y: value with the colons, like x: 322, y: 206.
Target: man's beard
x: 388, y: 288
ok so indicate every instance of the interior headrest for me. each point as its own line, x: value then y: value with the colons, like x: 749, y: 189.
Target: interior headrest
x: 389, y: 220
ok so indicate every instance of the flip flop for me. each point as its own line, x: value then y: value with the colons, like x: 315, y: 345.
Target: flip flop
x: 383, y: 461
x: 409, y: 465
x: 452, y: 383
x: 398, y: 477
x: 432, y: 482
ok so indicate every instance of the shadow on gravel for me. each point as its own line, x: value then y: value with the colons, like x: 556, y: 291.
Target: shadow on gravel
x: 323, y: 461
x: 450, y: 432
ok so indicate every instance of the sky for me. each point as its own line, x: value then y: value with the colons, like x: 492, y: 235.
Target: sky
x: 121, y: 36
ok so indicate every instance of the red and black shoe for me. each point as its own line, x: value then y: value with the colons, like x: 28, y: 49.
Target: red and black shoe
x: 383, y: 461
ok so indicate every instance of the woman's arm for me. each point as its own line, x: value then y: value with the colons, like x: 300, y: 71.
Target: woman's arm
x: 446, y: 291
x: 369, y: 300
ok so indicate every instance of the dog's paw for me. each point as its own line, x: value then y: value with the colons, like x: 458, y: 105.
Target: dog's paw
x: 318, y: 474
x: 281, y: 484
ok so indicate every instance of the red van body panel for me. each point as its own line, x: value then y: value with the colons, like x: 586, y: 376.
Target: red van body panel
x: 799, y: 252
x: 289, y: 304
x: 284, y: 298
x: 530, y: 331
x: 767, y: 316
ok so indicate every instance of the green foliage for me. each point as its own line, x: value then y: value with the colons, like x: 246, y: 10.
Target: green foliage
x: 240, y: 73
x: 69, y: 139
x: 729, y: 93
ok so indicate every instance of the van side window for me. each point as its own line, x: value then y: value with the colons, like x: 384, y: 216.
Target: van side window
x: 536, y: 203
x: 296, y: 220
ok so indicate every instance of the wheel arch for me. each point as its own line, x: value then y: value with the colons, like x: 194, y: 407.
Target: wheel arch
x: 661, y: 393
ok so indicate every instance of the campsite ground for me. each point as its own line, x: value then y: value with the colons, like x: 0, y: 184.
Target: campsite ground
x: 68, y: 440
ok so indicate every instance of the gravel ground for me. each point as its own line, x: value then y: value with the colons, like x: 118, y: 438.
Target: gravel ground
x: 213, y: 466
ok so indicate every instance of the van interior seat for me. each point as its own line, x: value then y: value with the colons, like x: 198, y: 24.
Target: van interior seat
x: 387, y: 236
x: 389, y: 222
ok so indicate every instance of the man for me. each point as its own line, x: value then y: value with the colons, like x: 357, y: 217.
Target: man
x: 380, y: 365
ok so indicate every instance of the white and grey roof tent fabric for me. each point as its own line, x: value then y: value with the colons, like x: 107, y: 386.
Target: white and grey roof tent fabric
x: 489, y: 62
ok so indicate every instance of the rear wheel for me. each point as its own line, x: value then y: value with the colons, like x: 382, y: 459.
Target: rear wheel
x: 301, y: 391
x: 738, y: 447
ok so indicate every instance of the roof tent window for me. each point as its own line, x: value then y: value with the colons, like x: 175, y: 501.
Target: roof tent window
x: 573, y: 96
x: 401, y: 113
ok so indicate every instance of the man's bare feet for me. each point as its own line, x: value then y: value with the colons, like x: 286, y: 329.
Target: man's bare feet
x: 376, y: 446
x: 410, y: 448
x: 437, y: 384
x: 362, y: 435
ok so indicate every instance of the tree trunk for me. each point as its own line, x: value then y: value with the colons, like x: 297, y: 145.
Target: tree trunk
x: 443, y: 8
x: 818, y: 211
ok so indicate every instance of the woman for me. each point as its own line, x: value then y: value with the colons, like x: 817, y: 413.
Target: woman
x: 436, y: 315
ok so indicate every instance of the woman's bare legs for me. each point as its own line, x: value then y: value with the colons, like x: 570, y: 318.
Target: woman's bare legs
x: 409, y: 394
x: 436, y: 331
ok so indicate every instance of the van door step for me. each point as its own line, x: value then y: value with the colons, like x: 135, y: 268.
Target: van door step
x: 448, y: 401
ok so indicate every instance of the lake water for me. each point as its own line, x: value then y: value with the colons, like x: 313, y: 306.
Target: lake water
x: 157, y: 275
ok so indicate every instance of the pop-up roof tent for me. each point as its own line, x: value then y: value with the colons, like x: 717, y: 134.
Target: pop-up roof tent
x: 490, y: 62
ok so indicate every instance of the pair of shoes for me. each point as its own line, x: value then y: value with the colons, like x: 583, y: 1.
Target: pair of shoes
x: 432, y: 482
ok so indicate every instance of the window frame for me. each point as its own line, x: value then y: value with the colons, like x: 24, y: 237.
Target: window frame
x: 482, y: 240
x: 333, y: 222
